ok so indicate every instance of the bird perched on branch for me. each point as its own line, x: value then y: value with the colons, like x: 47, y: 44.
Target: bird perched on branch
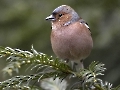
x: 70, y: 37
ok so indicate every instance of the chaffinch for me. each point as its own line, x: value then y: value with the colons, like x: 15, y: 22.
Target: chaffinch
x: 70, y: 37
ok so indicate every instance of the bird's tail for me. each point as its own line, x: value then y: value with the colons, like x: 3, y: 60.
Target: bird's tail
x: 76, y: 66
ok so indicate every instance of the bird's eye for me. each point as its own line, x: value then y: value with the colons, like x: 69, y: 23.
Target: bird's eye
x: 60, y: 15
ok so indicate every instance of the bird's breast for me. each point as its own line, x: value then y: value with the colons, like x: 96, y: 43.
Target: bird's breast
x: 71, y: 43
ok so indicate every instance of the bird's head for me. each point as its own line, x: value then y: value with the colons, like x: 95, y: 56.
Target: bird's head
x: 63, y: 14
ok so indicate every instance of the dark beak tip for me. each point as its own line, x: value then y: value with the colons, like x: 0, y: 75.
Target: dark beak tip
x: 46, y: 19
x: 51, y: 18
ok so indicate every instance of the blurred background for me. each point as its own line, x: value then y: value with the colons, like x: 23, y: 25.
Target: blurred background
x: 22, y: 23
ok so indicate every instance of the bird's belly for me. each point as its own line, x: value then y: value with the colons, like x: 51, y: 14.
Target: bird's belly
x: 66, y: 48
x: 61, y: 48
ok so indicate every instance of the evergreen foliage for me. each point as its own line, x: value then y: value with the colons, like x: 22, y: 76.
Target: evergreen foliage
x: 49, y: 67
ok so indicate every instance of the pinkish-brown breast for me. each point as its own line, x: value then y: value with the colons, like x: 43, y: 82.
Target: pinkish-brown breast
x: 73, y: 42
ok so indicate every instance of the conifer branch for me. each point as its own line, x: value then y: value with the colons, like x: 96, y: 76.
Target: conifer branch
x: 50, y: 67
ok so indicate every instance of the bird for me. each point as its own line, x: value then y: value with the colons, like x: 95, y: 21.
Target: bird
x: 71, y: 38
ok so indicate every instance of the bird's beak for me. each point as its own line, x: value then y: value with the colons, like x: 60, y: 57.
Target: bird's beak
x: 51, y: 18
